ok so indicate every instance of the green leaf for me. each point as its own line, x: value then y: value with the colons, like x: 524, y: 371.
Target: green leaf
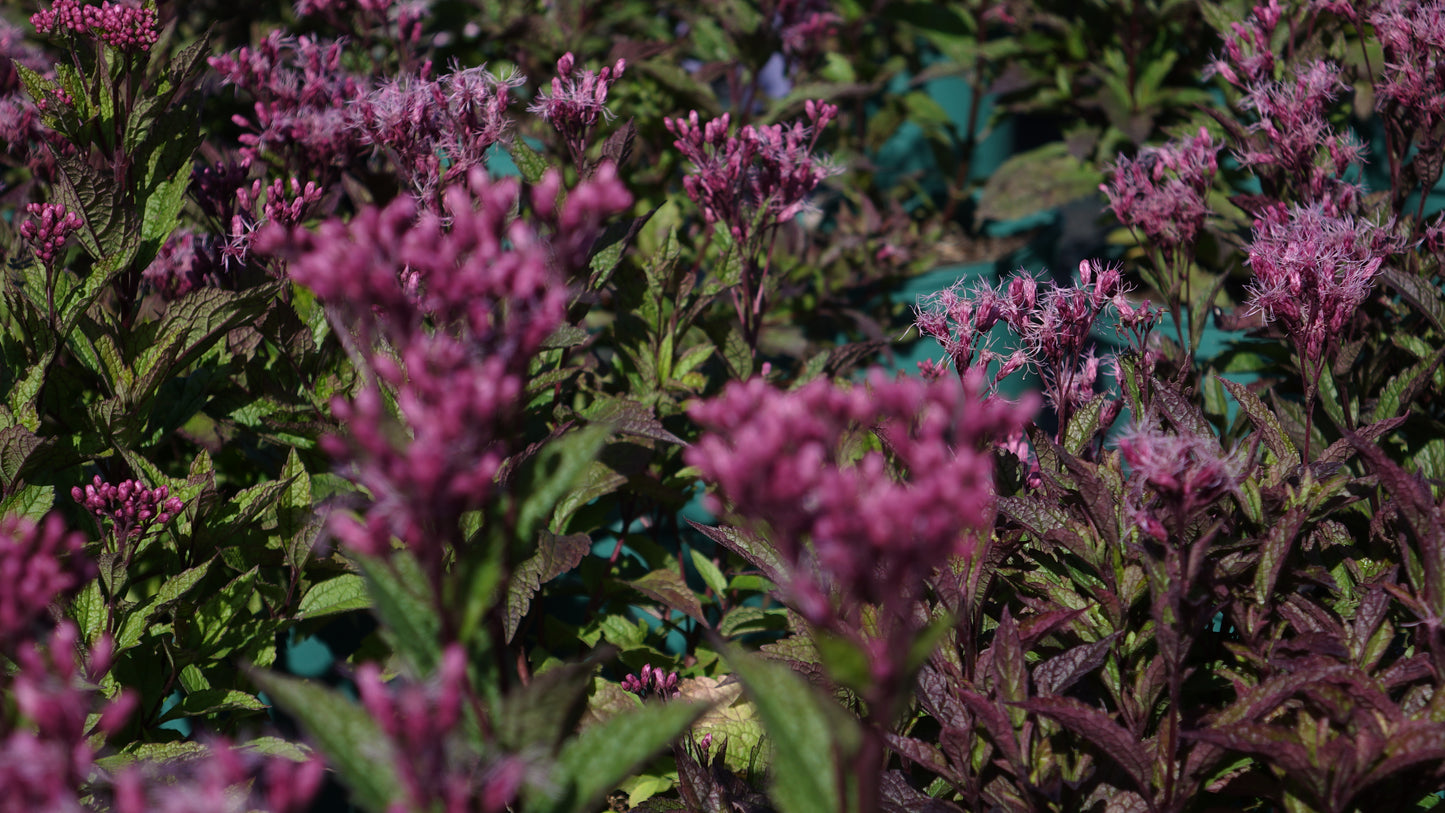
x: 90, y: 612
x: 667, y: 588
x: 32, y: 502
x: 711, y: 575
x: 402, y: 601
x: 551, y: 474
x: 1423, y: 295
x: 540, y: 715
x: 190, y: 327
x: 177, y: 585
x: 593, y: 763
x: 339, y: 594
x: 805, y: 736
x: 1084, y: 424
x: 555, y: 555
x: 529, y: 162
x: 352, y: 742
x: 16, y: 445
x: 211, y: 701
x: 1032, y: 181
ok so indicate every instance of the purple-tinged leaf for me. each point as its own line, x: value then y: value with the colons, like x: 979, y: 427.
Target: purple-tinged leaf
x: 754, y: 549
x: 1420, y: 293
x: 1413, y: 743
x: 1057, y: 674
x: 1405, y: 671
x: 1415, y: 504
x: 1265, y: 422
x: 1001, y: 731
x: 920, y: 753
x: 1275, y: 550
x: 1402, y: 388
x: 1278, y: 746
x: 1035, y: 627
x: 1112, y: 739
x: 630, y: 417
x: 667, y: 588
x: 1101, y: 503
x: 1010, y: 673
x: 1180, y: 410
x: 555, y: 555
x: 1368, y: 616
x: 1341, y: 450
x: 895, y: 795
x: 1084, y: 424
x: 1260, y: 700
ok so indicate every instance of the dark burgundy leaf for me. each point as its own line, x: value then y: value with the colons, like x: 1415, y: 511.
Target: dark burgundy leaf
x: 1057, y: 674
x: 1112, y: 739
x: 1277, y: 745
x: 895, y: 795
x: 1412, y: 498
x: 1010, y: 673
x: 1268, y: 425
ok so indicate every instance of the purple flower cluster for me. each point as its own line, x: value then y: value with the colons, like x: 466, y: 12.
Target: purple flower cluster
x: 1162, y: 191
x: 853, y: 524
x: 285, y: 207
x: 124, y: 26
x: 435, y: 130
x: 130, y: 509
x: 1412, y: 36
x: 45, y: 761
x: 578, y: 99
x: 1293, y: 120
x: 463, y: 298
x: 804, y: 25
x: 421, y: 722
x: 301, y: 93
x: 49, y: 226
x: 758, y: 178
x: 1053, y: 323
x: 1248, y: 59
x: 38, y: 563
x: 1312, y: 270
x: 1186, y: 473
x: 652, y: 681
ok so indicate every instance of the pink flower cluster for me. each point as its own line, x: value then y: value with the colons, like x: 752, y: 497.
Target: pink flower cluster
x: 1412, y: 36
x: 846, y: 522
x: 652, y: 681
x: 578, y: 99
x: 1312, y: 270
x: 762, y: 176
x: 124, y: 26
x: 1293, y: 121
x: 1186, y: 472
x: 421, y: 723
x: 285, y: 207
x: 435, y: 130
x: 1162, y: 191
x: 804, y: 25
x: 49, y: 226
x: 46, y: 762
x: 301, y: 93
x: 38, y: 564
x: 129, y: 508
x: 1054, y: 325
x: 1248, y: 58
x: 463, y: 298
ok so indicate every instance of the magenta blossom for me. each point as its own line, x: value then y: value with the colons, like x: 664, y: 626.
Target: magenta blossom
x: 38, y: 564
x: 49, y: 226
x: 124, y: 26
x: 129, y: 508
x: 1312, y: 271
x: 1185, y: 472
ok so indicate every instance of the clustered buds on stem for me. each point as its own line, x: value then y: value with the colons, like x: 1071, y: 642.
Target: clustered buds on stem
x: 129, y: 508
x: 124, y: 26
x: 652, y: 681
x: 49, y: 226
x: 1162, y: 192
x: 577, y: 101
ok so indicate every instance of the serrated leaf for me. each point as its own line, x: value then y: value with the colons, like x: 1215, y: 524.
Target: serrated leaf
x: 1084, y: 424
x: 754, y: 549
x: 594, y: 762
x: 338, y: 594
x: 1400, y: 391
x: 553, y: 472
x: 630, y: 417
x: 805, y: 736
x: 212, y: 701
x: 402, y: 601
x: 1113, y: 740
x: 529, y: 162
x: 31, y: 502
x: 751, y: 619
x: 190, y: 327
x: 1424, y: 296
x: 1057, y: 674
x: 667, y: 588
x: 1265, y: 422
x: 1041, y: 178
x: 555, y: 555
x: 178, y: 585
x: 16, y: 445
x: 353, y: 743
